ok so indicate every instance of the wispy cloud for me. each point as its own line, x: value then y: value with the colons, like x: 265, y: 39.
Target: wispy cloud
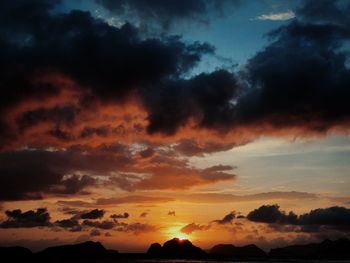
x: 277, y: 16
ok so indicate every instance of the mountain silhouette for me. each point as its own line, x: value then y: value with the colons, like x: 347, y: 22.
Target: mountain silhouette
x: 175, y: 248
x: 85, y: 250
x: 338, y: 249
x: 155, y: 249
x: 15, y: 253
x: 249, y: 251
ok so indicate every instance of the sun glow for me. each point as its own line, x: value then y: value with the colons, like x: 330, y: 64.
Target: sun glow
x: 175, y: 232
x: 181, y: 236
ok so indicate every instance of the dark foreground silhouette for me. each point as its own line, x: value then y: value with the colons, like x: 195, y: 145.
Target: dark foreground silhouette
x: 228, y: 250
x: 181, y: 248
x: 339, y: 249
x: 95, y: 252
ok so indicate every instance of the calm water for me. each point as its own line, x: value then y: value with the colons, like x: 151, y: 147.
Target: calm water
x: 223, y: 261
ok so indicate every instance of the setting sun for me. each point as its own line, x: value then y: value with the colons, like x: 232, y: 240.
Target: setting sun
x: 181, y: 236
x: 175, y: 232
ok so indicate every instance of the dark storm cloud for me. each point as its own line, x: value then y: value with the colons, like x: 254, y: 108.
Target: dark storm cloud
x: 335, y: 217
x: 227, y: 219
x: 108, y: 63
x: 76, y: 43
x: 56, y: 115
x: 301, y: 78
x: 22, y: 184
x: 31, y: 180
x: 31, y: 174
x: 272, y: 214
x: 18, y: 219
x: 206, y: 97
x: 325, y: 11
x: 93, y: 214
x: 168, y: 12
x: 309, y: 92
x: 111, y: 61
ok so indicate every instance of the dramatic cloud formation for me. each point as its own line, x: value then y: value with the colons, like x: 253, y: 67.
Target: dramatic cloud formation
x: 310, y: 90
x: 78, y: 223
x: 28, y: 166
x: 334, y: 217
x: 277, y: 97
x: 271, y: 214
x: 227, y: 219
x: 18, y: 219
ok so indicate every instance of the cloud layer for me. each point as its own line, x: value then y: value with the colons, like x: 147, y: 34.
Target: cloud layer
x: 121, y: 67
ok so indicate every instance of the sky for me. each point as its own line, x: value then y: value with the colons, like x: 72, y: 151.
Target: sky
x: 131, y: 122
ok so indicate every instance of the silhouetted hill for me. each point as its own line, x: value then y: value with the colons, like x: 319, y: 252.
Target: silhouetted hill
x: 15, y: 253
x: 155, y: 249
x: 86, y: 250
x: 175, y: 248
x: 249, y: 251
x: 338, y: 249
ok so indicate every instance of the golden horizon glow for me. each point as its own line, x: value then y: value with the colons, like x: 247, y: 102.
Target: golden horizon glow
x: 175, y: 232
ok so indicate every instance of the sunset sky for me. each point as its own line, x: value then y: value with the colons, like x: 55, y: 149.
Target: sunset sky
x: 135, y: 121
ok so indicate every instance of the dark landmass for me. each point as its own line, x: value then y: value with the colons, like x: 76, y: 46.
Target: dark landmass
x: 339, y: 249
x: 88, y: 250
x: 229, y: 250
x: 175, y: 248
x: 15, y: 253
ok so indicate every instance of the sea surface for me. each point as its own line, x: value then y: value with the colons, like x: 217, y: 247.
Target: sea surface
x: 223, y: 261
